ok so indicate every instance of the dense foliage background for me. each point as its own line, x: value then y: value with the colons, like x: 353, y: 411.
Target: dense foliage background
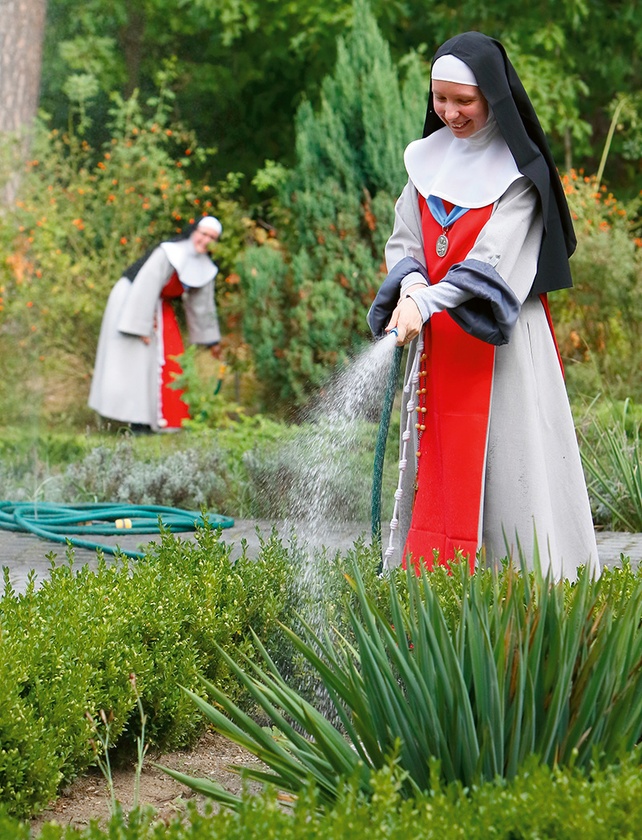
x: 259, y: 113
x: 245, y: 66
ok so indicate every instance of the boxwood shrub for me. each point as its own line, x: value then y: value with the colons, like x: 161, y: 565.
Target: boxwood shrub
x: 538, y: 803
x: 69, y: 646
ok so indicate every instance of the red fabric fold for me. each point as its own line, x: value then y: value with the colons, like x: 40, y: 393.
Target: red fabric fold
x: 455, y: 390
x: 173, y: 411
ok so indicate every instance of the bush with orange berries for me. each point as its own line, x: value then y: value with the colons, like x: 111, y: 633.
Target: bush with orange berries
x: 598, y: 321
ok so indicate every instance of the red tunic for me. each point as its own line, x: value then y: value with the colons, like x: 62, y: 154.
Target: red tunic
x: 171, y: 408
x: 455, y: 385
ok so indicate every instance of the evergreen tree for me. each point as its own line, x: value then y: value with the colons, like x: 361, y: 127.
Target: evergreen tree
x: 339, y: 204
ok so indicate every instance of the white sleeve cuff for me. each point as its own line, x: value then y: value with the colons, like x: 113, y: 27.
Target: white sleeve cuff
x: 412, y: 279
x: 433, y: 299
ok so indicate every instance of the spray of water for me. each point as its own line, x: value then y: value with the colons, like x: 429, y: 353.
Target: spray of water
x: 331, y: 463
x: 324, y: 455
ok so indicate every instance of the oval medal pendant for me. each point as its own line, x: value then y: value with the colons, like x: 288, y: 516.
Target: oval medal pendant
x: 442, y: 245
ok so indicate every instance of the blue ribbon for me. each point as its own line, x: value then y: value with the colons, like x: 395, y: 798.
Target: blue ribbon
x: 436, y: 207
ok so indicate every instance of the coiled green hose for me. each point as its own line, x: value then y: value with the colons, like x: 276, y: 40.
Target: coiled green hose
x: 55, y: 522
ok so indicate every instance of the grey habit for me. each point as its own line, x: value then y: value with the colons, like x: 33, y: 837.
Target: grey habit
x: 127, y: 374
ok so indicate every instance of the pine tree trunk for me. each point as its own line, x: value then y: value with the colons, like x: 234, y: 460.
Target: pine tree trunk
x: 22, y: 25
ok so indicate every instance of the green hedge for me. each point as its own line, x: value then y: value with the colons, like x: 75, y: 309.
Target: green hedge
x: 68, y: 649
x: 538, y: 804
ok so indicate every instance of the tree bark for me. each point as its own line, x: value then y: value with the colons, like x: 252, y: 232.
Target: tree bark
x: 22, y: 27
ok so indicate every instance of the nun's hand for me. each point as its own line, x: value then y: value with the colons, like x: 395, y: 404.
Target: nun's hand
x: 407, y: 320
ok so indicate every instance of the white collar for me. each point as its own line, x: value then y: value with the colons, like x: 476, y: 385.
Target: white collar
x: 469, y: 172
x: 194, y: 270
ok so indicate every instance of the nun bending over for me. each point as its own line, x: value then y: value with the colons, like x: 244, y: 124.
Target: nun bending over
x: 490, y: 464
x: 140, y: 337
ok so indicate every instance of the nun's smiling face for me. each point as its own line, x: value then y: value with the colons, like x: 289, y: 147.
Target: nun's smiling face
x: 463, y: 108
x: 203, y: 238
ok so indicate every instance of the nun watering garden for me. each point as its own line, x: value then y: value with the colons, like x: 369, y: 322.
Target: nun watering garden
x: 489, y: 458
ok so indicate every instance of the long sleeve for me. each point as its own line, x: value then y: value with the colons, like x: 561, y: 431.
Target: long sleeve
x: 201, y: 315
x: 137, y: 315
x: 433, y: 299
x: 406, y: 239
x: 510, y: 241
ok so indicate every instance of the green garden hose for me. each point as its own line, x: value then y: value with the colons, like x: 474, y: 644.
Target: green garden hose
x: 380, y: 447
x: 55, y: 522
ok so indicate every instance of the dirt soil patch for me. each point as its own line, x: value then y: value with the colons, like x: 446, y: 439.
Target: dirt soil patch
x: 87, y: 798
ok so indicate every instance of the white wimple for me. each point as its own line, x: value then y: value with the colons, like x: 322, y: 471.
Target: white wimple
x: 411, y: 389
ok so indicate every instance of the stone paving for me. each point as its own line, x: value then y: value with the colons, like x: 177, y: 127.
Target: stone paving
x: 25, y: 554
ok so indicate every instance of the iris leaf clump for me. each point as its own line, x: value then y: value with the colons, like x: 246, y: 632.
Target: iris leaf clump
x: 524, y: 669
